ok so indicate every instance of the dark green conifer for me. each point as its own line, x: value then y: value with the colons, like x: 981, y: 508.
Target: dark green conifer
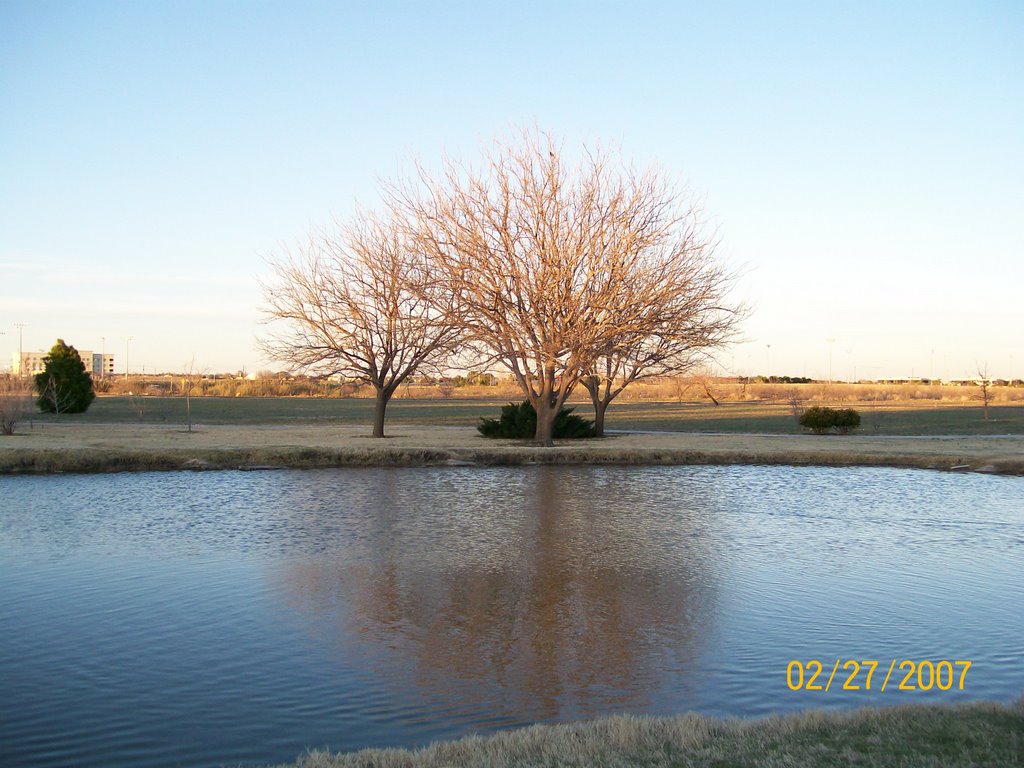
x: 64, y: 386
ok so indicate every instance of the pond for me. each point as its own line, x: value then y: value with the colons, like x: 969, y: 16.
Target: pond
x: 242, y: 617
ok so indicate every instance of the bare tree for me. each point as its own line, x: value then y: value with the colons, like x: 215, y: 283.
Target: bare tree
x: 985, y: 383
x: 191, y: 378
x: 707, y: 382
x: 360, y: 304
x: 53, y: 397
x: 559, y: 264
x: 15, y: 402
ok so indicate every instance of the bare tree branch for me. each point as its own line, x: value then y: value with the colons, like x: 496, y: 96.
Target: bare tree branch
x: 566, y: 269
x: 358, y: 303
x: 15, y: 402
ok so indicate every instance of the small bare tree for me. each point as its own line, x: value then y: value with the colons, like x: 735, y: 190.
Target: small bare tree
x: 360, y: 304
x: 557, y: 265
x: 15, y: 402
x: 190, y: 379
x: 985, y: 383
x: 707, y: 383
x: 52, y: 397
x: 796, y: 405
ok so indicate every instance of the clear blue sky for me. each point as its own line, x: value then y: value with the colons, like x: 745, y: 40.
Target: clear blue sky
x: 864, y: 161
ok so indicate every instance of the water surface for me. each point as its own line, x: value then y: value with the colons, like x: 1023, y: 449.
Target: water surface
x: 165, y: 618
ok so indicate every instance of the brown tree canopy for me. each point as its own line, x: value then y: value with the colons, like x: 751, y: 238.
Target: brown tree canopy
x: 358, y: 303
x: 557, y: 263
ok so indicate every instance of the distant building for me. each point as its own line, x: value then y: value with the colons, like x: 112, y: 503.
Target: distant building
x: 27, y: 363
x: 911, y: 380
x: 102, y: 364
x: 31, y: 363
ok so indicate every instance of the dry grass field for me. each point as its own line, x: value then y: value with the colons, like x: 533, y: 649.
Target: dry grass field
x: 680, y: 389
x: 768, y: 416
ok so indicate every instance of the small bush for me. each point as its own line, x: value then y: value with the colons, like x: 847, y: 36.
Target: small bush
x: 817, y: 419
x: 846, y: 419
x: 821, y: 420
x: 519, y: 421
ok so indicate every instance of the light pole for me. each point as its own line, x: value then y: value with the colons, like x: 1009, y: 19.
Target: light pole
x: 21, y: 350
x: 126, y: 340
x: 103, y: 354
x: 768, y: 362
x: 830, y: 343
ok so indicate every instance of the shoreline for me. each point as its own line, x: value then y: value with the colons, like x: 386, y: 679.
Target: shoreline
x: 101, y: 448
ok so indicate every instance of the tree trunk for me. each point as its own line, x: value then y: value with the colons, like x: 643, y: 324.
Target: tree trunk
x: 545, y: 421
x: 600, y: 406
x: 600, y: 403
x: 383, y: 395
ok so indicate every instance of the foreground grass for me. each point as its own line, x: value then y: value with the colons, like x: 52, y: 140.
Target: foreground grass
x: 920, y: 418
x: 925, y: 736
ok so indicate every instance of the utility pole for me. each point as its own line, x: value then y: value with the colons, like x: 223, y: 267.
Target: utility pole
x: 126, y: 340
x: 21, y: 350
x: 830, y: 343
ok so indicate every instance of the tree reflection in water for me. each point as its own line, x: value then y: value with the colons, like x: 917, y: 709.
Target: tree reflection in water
x: 534, y: 593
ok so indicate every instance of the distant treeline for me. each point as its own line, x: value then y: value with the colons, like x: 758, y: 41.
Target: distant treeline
x: 776, y: 380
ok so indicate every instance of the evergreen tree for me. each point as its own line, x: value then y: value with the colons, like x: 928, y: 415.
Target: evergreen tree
x: 63, y: 386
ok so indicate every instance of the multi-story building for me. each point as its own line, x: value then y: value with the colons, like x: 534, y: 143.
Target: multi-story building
x: 102, y: 364
x: 31, y: 363
x: 27, y: 363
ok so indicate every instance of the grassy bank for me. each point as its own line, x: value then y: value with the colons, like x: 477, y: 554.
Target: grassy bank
x: 77, y: 447
x: 90, y: 461
x: 879, y: 418
x: 931, y: 736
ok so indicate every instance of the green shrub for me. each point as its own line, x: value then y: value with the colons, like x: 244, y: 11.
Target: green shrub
x: 63, y: 386
x: 817, y: 419
x: 519, y: 421
x: 846, y: 419
x: 821, y: 420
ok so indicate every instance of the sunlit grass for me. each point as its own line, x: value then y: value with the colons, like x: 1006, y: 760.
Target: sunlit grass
x: 923, y: 418
x: 910, y: 736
